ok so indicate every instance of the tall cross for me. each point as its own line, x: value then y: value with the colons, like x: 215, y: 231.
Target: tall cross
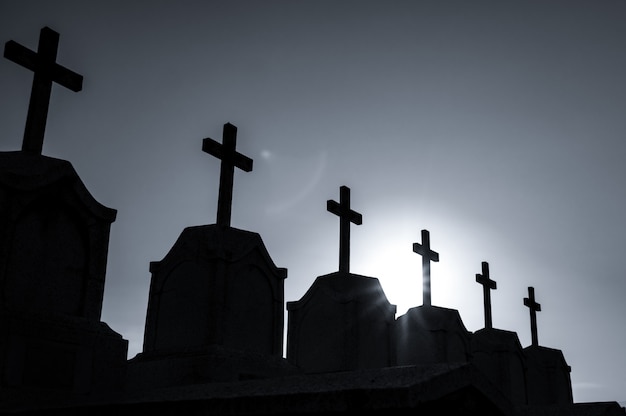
x: 487, y: 284
x: 534, y: 308
x: 230, y: 160
x: 46, y: 71
x: 346, y: 216
x: 428, y: 255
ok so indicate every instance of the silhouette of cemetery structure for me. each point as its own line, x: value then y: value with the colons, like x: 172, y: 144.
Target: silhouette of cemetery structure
x: 341, y: 312
x: 53, y: 250
x: 213, y: 341
x: 215, y: 309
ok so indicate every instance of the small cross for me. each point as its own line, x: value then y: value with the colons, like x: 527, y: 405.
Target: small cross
x: 488, y: 284
x: 427, y: 256
x: 46, y: 70
x: 346, y: 216
x: 534, y: 308
x: 230, y: 159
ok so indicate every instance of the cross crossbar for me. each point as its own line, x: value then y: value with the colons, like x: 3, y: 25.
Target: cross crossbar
x: 428, y: 255
x: 346, y: 216
x: 488, y: 285
x: 534, y: 307
x: 231, y: 159
x: 46, y: 71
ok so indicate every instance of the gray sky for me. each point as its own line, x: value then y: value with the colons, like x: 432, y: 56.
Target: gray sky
x: 498, y: 126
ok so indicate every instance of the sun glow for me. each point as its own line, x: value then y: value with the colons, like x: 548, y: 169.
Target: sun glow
x: 399, y: 269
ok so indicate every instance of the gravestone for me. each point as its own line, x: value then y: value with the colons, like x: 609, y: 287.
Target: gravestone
x: 53, y: 251
x: 431, y: 335
x: 547, y: 372
x: 428, y: 334
x: 216, y: 302
x: 488, y: 285
x: 498, y: 353
x: 428, y: 255
x: 548, y: 376
x: 344, y: 321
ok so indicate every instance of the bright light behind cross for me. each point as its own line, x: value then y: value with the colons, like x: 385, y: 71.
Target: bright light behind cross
x: 385, y: 252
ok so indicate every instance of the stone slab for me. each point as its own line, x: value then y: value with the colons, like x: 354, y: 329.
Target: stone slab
x: 500, y: 356
x: 343, y: 322
x: 216, y: 286
x: 430, y: 335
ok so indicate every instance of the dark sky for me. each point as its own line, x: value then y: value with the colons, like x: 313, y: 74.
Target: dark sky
x: 497, y: 125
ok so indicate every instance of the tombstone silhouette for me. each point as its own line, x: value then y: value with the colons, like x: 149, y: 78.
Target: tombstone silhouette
x: 428, y: 334
x: 53, y: 251
x: 344, y: 321
x: 45, y: 72
x: 496, y: 352
x: 547, y: 372
x: 488, y: 285
x: 216, y: 302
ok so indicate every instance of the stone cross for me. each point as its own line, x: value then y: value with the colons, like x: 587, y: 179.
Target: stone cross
x: 428, y: 255
x: 534, y: 308
x: 46, y: 71
x: 487, y: 284
x: 230, y: 159
x: 346, y: 216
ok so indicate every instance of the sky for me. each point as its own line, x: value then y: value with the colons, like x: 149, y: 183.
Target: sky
x: 499, y: 126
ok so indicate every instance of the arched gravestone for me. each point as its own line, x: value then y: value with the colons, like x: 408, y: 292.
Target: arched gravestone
x: 498, y: 353
x: 53, y: 250
x: 548, y: 376
x: 216, y: 286
x: 429, y: 334
x: 344, y: 321
x: 216, y: 302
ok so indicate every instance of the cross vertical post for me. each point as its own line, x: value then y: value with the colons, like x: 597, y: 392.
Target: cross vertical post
x: 46, y: 71
x: 428, y: 255
x: 230, y: 160
x: 534, y: 307
x: 346, y: 216
x: 487, y: 284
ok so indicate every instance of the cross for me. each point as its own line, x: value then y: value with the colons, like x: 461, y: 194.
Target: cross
x: 346, y: 216
x: 487, y: 284
x: 427, y: 256
x: 46, y: 71
x: 230, y: 159
x: 534, y: 308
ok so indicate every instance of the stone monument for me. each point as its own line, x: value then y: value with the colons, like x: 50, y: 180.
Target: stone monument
x: 429, y: 334
x: 344, y: 321
x: 53, y: 252
x: 215, y: 308
x: 498, y: 353
x: 547, y: 372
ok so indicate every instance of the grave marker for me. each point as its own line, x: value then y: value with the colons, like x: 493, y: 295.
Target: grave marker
x: 488, y: 285
x: 231, y: 159
x: 46, y: 71
x: 346, y: 216
x: 428, y: 255
x: 534, y: 307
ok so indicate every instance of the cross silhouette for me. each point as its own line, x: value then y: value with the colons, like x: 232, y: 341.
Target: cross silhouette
x: 487, y: 284
x: 428, y: 255
x: 346, y: 216
x: 534, y: 308
x: 46, y: 71
x: 230, y: 159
